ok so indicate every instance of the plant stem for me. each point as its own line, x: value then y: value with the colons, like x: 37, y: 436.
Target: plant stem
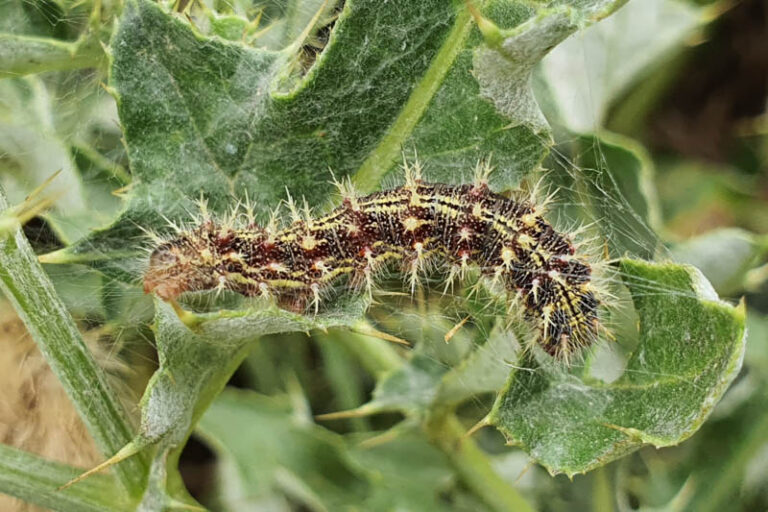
x: 214, y: 386
x: 24, y: 55
x: 34, y: 479
x: 31, y: 292
x: 472, y: 464
x: 602, y: 497
x: 731, y: 473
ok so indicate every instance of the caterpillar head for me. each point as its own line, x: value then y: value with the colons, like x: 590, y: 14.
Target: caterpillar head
x: 186, y: 263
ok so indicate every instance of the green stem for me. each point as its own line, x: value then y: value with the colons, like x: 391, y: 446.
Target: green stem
x: 23, y: 55
x: 602, y: 497
x: 212, y: 389
x: 33, y: 479
x: 28, y: 288
x: 472, y: 464
x: 731, y: 474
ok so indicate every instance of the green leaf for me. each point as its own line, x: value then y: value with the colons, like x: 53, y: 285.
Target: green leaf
x: 413, y: 386
x: 411, y: 389
x: 710, y: 251
x: 267, y: 452
x: 32, y: 150
x: 407, y: 473
x: 203, y: 115
x: 591, y: 69
x: 617, y: 176
x: 195, y: 364
x: 485, y: 370
x: 691, y: 348
x: 24, y: 55
x: 29, y: 289
x: 36, y: 480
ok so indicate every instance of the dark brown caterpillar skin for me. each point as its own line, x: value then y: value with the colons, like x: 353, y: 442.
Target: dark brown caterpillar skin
x: 413, y: 225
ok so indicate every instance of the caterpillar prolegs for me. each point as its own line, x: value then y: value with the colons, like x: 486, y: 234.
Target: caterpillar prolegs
x: 412, y: 226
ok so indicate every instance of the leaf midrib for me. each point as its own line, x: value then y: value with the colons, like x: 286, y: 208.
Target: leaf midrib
x: 379, y: 161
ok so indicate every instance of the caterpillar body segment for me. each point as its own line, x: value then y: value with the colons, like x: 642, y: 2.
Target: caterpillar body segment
x: 414, y: 227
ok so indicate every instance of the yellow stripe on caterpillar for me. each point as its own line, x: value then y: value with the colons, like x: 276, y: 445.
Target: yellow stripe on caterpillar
x: 418, y: 225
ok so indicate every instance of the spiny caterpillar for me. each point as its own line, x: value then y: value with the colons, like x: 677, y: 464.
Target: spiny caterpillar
x: 415, y: 225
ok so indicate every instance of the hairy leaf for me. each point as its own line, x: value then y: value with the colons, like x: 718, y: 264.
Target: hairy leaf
x: 195, y: 364
x: 691, y: 348
x: 204, y: 116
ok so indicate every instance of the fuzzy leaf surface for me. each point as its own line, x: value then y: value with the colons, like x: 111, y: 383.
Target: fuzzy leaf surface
x: 206, y: 116
x: 691, y: 348
x: 195, y: 364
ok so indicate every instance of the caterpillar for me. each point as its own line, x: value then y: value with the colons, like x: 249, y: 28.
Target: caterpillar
x: 413, y: 226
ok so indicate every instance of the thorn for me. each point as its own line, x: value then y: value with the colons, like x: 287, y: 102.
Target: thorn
x: 450, y: 334
x: 34, y: 204
x: 523, y: 472
x: 366, y: 329
x: 491, y: 33
x: 352, y: 413
x: 43, y: 185
x: 304, y: 36
x: 378, y: 440
x: 477, y: 426
x: 189, y: 319
x: 126, y: 451
x: 123, y: 191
